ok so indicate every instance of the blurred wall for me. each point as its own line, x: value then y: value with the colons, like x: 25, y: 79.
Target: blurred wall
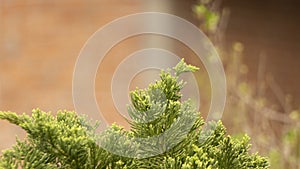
x: 269, y: 30
x: 39, y: 45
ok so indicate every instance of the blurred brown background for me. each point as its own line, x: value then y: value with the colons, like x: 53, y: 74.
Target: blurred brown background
x: 269, y: 30
x: 40, y: 42
x: 39, y: 45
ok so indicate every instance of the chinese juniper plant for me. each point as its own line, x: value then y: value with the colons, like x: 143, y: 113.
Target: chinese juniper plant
x: 69, y: 141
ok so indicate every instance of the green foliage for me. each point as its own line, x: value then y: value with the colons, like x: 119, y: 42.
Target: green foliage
x: 67, y: 140
x: 211, y: 18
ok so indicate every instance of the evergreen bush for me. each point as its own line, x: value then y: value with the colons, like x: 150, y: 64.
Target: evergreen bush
x: 67, y: 140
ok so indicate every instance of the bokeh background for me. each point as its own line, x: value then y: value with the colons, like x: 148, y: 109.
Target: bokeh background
x: 259, y: 42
